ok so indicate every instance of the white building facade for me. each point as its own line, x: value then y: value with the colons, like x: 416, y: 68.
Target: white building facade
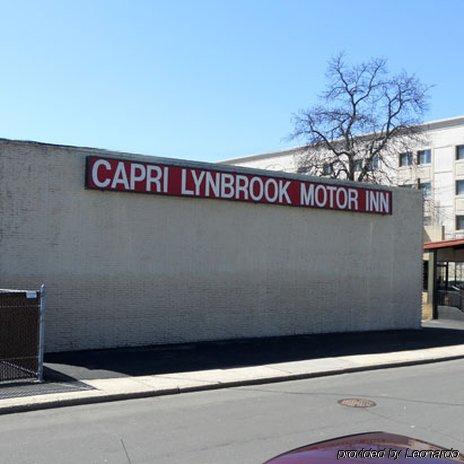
x: 436, y: 166
x: 138, y: 250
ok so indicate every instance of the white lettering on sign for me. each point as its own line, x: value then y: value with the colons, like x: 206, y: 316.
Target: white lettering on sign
x: 227, y: 185
x: 145, y: 177
x: 185, y: 190
x: 106, y: 164
x: 384, y: 204
x: 213, y: 184
x: 153, y: 178
x: 307, y: 194
x: 377, y: 201
x: 353, y: 199
x: 331, y: 189
x: 138, y: 172
x: 120, y: 177
x: 259, y: 182
x: 342, y: 198
x: 283, y: 192
x: 241, y: 189
x: 271, y: 190
x: 338, y: 197
x: 197, y: 181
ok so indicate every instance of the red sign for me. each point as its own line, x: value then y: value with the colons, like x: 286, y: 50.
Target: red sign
x: 162, y: 179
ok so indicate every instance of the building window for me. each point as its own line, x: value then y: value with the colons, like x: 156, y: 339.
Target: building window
x: 460, y: 152
x: 426, y: 189
x: 459, y: 222
x: 405, y: 159
x: 327, y: 169
x: 302, y: 170
x: 374, y: 163
x: 424, y: 156
x: 460, y: 187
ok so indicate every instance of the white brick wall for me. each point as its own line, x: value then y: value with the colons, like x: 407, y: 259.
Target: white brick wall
x: 130, y: 269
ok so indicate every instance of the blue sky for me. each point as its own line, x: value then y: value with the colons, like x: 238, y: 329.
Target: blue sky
x: 205, y: 80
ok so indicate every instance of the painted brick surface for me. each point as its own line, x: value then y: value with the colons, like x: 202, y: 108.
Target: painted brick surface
x: 126, y: 269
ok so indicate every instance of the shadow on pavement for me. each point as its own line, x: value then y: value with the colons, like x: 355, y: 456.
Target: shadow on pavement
x: 164, y: 359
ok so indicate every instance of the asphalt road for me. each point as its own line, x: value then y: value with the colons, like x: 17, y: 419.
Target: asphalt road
x: 242, y: 425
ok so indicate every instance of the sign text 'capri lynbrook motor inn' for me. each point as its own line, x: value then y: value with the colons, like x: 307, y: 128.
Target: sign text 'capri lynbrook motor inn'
x: 143, y: 177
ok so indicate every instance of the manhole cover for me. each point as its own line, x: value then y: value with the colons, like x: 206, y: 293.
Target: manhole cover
x: 357, y: 402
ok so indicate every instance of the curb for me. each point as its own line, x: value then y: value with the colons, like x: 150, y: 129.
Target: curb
x: 111, y: 397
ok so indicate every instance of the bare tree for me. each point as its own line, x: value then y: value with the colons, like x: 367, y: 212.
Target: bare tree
x: 365, y: 115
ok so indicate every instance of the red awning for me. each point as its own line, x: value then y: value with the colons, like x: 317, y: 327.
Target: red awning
x: 455, y: 243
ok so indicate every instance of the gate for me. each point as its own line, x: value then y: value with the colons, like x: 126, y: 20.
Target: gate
x: 21, y: 334
x: 450, y: 285
x: 453, y: 298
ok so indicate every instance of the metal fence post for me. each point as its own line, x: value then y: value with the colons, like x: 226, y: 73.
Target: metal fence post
x: 41, y: 333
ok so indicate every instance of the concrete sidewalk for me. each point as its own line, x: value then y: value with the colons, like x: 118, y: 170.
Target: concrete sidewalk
x: 85, y: 388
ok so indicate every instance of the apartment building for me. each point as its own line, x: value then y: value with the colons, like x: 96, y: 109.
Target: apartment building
x: 436, y: 166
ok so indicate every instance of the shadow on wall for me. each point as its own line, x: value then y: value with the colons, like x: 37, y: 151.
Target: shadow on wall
x: 165, y: 359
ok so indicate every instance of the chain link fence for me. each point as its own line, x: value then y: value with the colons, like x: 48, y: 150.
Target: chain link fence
x: 21, y: 334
